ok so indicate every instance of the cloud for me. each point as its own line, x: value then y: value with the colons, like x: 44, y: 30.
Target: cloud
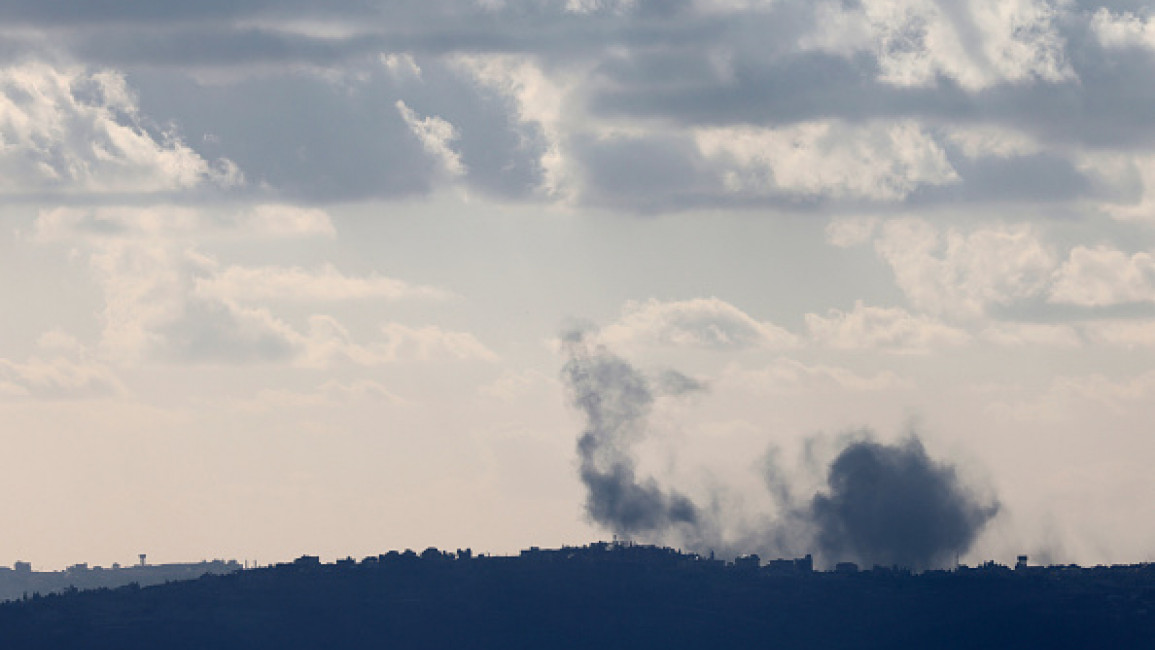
x: 164, y: 300
x: 436, y: 135
x: 793, y: 377
x: 402, y: 65
x: 512, y: 386
x: 965, y: 273
x: 991, y: 140
x: 68, y: 130
x: 977, y: 43
x: 1130, y: 334
x: 1044, y: 334
x: 432, y: 342
x: 538, y: 103
x: 89, y: 225
x: 269, y: 283
x: 882, y: 328
x: 1103, y: 276
x: 329, y: 342
x: 1123, y: 30
x: 1079, y: 396
x: 280, y: 220
x: 700, y: 322
x: 634, y: 105
x: 57, y: 378
x: 329, y: 395
x: 877, y: 162
x: 847, y: 232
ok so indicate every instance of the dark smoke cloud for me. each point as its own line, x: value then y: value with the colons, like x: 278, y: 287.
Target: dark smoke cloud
x: 894, y: 505
x: 616, y: 400
x: 885, y: 504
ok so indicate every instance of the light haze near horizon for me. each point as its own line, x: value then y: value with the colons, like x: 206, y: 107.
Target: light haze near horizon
x: 284, y: 279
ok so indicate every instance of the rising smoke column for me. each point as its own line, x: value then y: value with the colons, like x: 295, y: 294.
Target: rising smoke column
x: 616, y: 400
x: 894, y: 505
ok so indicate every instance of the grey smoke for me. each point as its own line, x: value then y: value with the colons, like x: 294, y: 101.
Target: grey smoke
x: 894, y: 505
x: 672, y: 382
x: 885, y: 504
x: 616, y: 400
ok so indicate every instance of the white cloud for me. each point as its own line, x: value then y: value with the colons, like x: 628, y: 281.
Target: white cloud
x: 68, y: 130
x: 847, y: 232
x: 58, y: 377
x: 87, y: 225
x: 164, y: 300
x: 431, y: 343
x: 701, y: 322
x: 401, y: 65
x: 541, y: 101
x: 882, y: 328
x: 1120, y: 30
x: 331, y: 394
x: 1079, y: 394
x: 1043, y: 334
x: 1138, y: 333
x: 1102, y: 276
x: 271, y: 283
x: 329, y: 342
x: 977, y: 141
x: 436, y: 136
x: 883, y: 161
x: 790, y: 376
x: 1129, y: 180
x: 593, y: 6
x: 279, y: 220
x: 978, y: 43
x: 963, y: 273
x: 511, y: 387
x: 60, y: 342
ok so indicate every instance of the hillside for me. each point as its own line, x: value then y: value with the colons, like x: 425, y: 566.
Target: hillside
x: 600, y: 596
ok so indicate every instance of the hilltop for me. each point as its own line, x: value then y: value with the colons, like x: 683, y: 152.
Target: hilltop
x: 599, y: 596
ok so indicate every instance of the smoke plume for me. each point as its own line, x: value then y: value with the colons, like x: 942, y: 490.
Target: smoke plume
x: 616, y: 400
x: 894, y: 505
x: 890, y: 505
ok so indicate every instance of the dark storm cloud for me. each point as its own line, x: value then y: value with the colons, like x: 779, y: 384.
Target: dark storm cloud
x: 616, y: 399
x: 894, y: 505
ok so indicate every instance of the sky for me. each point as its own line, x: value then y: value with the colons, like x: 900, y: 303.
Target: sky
x: 294, y: 277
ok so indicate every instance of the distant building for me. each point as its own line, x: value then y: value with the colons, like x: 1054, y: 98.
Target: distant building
x: 1021, y: 564
x: 749, y: 562
x: 846, y: 567
x: 790, y: 567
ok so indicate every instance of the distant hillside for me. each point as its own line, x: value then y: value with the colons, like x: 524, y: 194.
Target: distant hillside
x: 601, y: 596
x: 21, y: 580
